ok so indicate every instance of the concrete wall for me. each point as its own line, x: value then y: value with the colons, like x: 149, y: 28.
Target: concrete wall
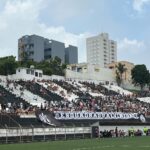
x: 43, y: 131
x: 45, y: 77
x: 92, y: 73
x: 57, y: 131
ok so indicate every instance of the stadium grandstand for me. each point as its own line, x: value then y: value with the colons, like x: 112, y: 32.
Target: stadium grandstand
x: 38, y: 107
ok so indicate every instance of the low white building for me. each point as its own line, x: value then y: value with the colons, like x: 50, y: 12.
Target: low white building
x: 32, y: 74
x: 27, y: 74
x: 91, y: 72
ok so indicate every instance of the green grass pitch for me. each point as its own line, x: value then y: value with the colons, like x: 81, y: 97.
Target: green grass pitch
x: 128, y: 143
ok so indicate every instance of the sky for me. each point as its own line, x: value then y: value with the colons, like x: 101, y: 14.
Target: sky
x: 72, y: 21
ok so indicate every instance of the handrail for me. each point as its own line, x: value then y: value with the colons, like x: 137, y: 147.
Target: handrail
x: 13, y: 120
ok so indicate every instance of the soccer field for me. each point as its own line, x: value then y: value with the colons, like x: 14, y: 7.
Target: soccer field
x: 132, y: 143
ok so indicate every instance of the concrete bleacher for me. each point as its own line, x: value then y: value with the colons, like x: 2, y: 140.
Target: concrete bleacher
x: 39, y: 90
x: 14, y: 120
x: 55, y: 88
x: 26, y: 95
x: 144, y: 99
x: 118, y: 89
x: 72, y: 88
x: 99, y: 88
x: 7, y: 97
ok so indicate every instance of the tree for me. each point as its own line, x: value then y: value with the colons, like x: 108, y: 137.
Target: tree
x: 120, y: 69
x: 8, y: 65
x: 24, y: 56
x: 140, y: 75
x: 26, y: 64
x: 52, y: 66
x: 118, y: 79
x: 57, y: 60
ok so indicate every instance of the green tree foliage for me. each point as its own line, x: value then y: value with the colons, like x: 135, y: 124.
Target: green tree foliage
x: 52, y: 66
x: 120, y: 69
x: 8, y: 65
x: 26, y: 64
x: 140, y: 75
x: 118, y: 79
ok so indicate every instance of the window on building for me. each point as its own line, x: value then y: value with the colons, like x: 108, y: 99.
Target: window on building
x: 96, y: 69
x: 112, y: 43
x: 73, y: 67
x: 79, y: 69
x: 32, y: 72
x: 47, y: 49
x: 28, y: 71
x: 111, y: 67
x: 40, y: 74
x: 47, y: 57
x: 36, y: 74
x: 31, y: 53
x: 31, y: 45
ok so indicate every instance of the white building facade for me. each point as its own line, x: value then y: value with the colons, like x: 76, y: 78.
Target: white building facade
x: 101, y: 50
x: 89, y: 72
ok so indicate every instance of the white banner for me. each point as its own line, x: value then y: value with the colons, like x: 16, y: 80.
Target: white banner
x: 44, y: 118
x: 60, y: 115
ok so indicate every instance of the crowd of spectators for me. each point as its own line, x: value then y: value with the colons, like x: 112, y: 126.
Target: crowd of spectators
x: 110, y: 102
x: 112, y: 133
x: 143, y: 93
x: 11, y: 103
x: 121, y: 133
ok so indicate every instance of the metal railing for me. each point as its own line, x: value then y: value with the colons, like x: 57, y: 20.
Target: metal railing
x: 43, y: 133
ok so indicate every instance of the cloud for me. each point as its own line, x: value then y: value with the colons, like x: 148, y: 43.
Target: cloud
x: 21, y: 17
x: 132, y: 50
x: 63, y: 10
x: 139, y: 4
x: 132, y: 46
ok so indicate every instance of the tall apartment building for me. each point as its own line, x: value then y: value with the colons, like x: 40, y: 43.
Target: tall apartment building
x: 101, y: 50
x: 37, y: 48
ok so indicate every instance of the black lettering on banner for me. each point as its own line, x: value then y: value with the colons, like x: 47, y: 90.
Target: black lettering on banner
x: 94, y: 115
